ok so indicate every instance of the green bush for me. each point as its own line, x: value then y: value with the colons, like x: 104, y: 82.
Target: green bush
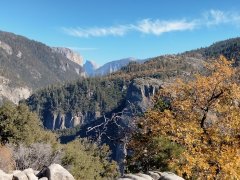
x: 88, y: 161
x: 19, y: 125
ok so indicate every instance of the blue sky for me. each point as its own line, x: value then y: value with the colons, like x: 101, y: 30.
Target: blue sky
x: 105, y: 30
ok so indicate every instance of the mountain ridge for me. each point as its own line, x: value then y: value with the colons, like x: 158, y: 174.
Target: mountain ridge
x: 30, y: 64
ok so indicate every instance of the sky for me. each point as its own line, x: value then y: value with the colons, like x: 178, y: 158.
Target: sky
x: 107, y: 30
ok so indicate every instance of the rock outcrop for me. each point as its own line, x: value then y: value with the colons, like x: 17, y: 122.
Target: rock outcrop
x: 60, y: 120
x: 5, y: 176
x: 14, y: 94
x: 140, y: 92
x: 6, y: 48
x: 138, y: 100
x: 53, y: 172
x: 152, y: 176
x: 70, y: 54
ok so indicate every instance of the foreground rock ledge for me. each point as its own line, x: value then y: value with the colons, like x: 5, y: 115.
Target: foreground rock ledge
x: 53, y: 172
x: 152, y: 175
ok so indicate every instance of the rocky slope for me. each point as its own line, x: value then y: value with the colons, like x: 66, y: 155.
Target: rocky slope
x: 26, y: 65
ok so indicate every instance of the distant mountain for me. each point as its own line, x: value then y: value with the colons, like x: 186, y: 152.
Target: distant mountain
x: 113, y: 66
x: 26, y: 65
x: 70, y: 54
x: 90, y: 67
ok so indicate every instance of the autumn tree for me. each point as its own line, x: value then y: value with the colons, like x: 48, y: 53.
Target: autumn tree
x: 202, y: 116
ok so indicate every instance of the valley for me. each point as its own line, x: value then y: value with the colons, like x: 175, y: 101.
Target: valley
x: 103, y: 104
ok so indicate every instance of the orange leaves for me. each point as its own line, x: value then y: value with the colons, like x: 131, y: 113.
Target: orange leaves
x: 202, y: 115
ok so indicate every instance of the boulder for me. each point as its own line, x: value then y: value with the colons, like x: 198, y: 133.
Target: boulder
x: 4, y: 176
x: 151, y: 175
x: 135, y: 177
x: 16, y: 171
x: 170, y: 176
x: 147, y: 177
x: 30, y: 174
x: 154, y: 174
x: 43, y: 178
x: 20, y: 176
x: 57, y: 172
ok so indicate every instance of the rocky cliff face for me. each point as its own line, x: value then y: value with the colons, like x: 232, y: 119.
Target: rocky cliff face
x: 70, y: 54
x: 14, y: 94
x: 138, y: 100
x: 60, y: 120
x: 141, y: 91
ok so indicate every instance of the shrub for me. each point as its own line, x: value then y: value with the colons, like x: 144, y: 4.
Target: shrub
x: 88, y: 161
x: 35, y: 156
x: 19, y: 125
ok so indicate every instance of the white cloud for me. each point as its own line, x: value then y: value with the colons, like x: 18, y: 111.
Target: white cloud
x: 145, y: 26
x: 217, y: 17
x: 98, y: 32
x: 158, y: 27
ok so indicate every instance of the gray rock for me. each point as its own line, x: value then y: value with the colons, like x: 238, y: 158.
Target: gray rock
x: 141, y: 91
x: 134, y: 177
x: 147, y: 177
x: 57, y: 172
x: 30, y: 174
x: 20, y: 176
x: 154, y: 174
x: 35, y: 172
x: 170, y: 176
x: 43, y: 178
x: 16, y: 171
x: 4, y: 176
x: 70, y: 54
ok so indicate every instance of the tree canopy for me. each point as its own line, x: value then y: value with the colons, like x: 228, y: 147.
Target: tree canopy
x: 202, y: 116
x: 19, y: 125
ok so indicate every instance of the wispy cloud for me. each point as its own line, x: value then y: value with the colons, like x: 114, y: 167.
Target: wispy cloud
x: 217, y: 17
x: 158, y: 26
x: 98, y: 32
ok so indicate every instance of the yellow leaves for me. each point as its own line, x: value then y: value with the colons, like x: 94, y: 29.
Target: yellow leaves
x: 205, y: 119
